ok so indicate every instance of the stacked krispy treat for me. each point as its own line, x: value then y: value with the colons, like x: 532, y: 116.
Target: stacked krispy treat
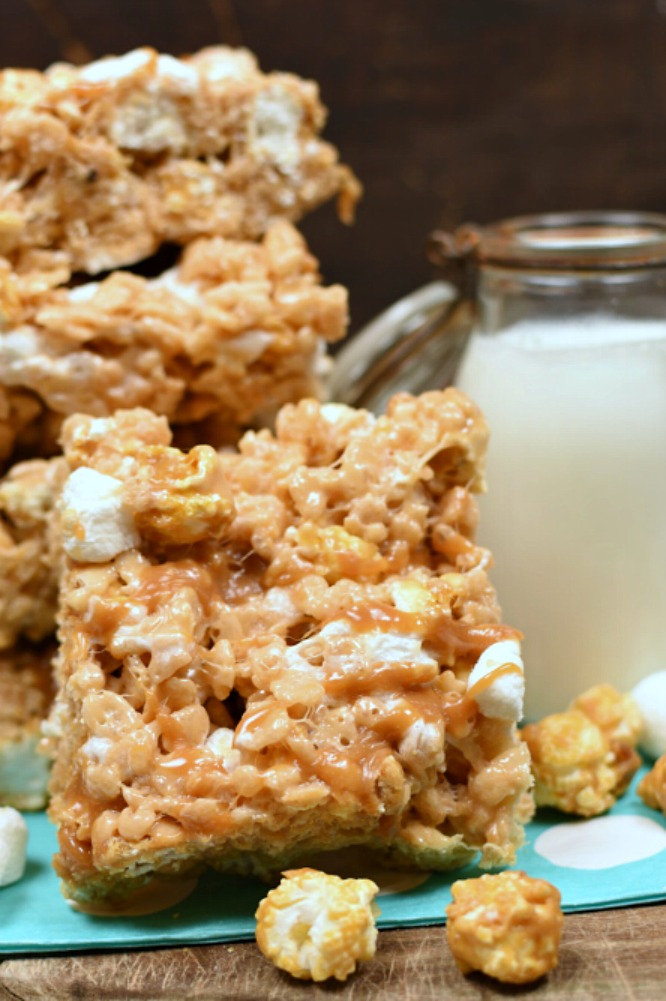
x: 267, y: 638
x: 29, y: 561
x: 100, y: 167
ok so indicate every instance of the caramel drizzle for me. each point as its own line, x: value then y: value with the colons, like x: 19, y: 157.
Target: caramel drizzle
x: 446, y: 634
x: 484, y: 683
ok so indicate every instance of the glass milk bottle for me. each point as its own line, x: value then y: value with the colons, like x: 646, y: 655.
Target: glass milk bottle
x: 567, y: 359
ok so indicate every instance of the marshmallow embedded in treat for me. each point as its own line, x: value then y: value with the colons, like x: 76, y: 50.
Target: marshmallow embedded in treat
x: 497, y: 681
x: 95, y: 524
x: 13, y: 844
x: 650, y: 695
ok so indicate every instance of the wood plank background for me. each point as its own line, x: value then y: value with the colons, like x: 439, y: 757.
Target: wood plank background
x: 448, y: 110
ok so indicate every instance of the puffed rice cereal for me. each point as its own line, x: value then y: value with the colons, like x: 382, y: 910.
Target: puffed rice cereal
x: 101, y: 164
x: 279, y: 662
x: 216, y: 343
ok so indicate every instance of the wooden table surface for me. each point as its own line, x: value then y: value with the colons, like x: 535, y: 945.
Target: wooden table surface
x: 604, y: 954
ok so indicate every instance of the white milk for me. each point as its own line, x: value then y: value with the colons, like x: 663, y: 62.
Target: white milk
x: 576, y: 507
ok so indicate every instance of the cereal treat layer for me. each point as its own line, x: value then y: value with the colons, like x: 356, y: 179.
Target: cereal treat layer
x: 226, y: 337
x: 29, y: 550
x: 101, y: 164
x: 266, y: 652
x: 26, y: 693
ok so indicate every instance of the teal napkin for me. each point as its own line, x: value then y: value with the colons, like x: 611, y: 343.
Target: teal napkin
x: 609, y: 861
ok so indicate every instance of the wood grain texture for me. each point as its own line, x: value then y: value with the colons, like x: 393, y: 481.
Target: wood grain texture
x: 448, y: 110
x: 612, y: 955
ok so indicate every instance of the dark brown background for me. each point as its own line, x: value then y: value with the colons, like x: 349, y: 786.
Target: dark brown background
x: 448, y: 110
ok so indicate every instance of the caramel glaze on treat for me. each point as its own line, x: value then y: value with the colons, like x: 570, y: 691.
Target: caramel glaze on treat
x: 102, y: 164
x: 217, y: 343
x: 275, y: 661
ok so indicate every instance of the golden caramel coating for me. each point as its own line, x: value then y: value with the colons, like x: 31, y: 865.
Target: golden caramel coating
x: 572, y: 763
x: 101, y: 164
x: 652, y: 787
x: 616, y: 713
x: 29, y: 550
x: 316, y: 926
x: 508, y: 926
x: 619, y: 718
x: 216, y: 343
x: 26, y: 693
x: 288, y: 673
x: 584, y: 759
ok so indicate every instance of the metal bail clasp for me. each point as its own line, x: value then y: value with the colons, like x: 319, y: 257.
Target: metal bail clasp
x: 456, y: 256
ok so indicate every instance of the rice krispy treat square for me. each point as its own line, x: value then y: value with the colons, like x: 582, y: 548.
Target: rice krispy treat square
x: 101, y: 164
x: 216, y: 343
x: 265, y: 651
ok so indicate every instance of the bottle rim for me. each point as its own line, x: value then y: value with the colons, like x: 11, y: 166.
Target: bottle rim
x: 572, y: 240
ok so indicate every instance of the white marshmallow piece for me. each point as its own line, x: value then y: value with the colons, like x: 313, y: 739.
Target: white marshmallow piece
x: 96, y: 525
x: 503, y: 697
x: 650, y: 695
x: 110, y: 69
x: 13, y: 845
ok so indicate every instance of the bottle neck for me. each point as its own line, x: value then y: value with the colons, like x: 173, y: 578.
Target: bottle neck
x: 507, y: 296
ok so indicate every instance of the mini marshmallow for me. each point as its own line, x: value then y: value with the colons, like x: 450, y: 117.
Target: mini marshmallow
x: 501, y: 698
x: 95, y: 523
x: 13, y: 844
x: 113, y: 68
x: 650, y: 695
